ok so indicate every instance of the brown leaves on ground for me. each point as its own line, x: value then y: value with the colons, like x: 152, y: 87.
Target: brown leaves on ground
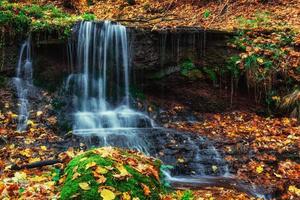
x: 262, y: 150
x: 219, y: 15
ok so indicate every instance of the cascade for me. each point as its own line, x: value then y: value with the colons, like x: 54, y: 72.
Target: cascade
x: 100, y: 86
x: 100, y: 83
x: 23, y: 83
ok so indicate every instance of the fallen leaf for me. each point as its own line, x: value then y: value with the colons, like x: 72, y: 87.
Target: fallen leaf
x: 146, y: 189
x: 126, y: 196
x: 107, y: 194
x: 101, y: 179
x: 39, y: 113
x: 101, y: 170
x: 89, y: 165
x: 44, y: 148
x: 84, y: 186
x: 259, y: 169
x: 20, y: 176
x: 123, y: 172
x: 75, y: 175
x: 295, y: 190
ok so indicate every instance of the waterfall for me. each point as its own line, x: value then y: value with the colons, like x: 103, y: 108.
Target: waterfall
x: 23, y: 83
x: 100, y: 86
x: 103, y: 116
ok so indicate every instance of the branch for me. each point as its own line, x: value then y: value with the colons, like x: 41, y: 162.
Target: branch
x: 36, y: 164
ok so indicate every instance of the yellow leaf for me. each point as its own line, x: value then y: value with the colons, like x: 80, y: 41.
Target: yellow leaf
x: 180, y: 160
x: 126, y: 196
x: 260, y: 169
x: 101, y: 170
x: 84, y: 186
x: 122, y: 170
x: 278, y: 175
x: 75, y: 175
x: 107, y: 194
x: 89, y: 165
x: 20, y: 176
x: 38, y: 179
x: 44, y: 148
x: 26, y: 152
x: 32, y: 160
x: 295, y: 190
x: 30, y: 123
x: 14, y: 116
x: 260, y: 60
x: 39, y: 113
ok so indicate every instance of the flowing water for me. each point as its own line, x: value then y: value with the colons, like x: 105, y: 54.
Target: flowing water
x: 23, y: 83
x: 100, y: 83
x: 100, y: 87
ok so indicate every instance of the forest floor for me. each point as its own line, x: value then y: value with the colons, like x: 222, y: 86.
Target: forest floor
x: 261, y: 150
x: 214, y: 15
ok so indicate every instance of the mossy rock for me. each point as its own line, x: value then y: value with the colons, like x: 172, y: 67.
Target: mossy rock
x: 112, y: 173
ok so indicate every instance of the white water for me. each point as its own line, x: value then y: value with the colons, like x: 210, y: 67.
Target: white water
x: 100, y: 85
x: 23, y: 83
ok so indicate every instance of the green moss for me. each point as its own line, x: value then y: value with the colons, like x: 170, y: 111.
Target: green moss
x: 19, y: 18
x: 131, y: 184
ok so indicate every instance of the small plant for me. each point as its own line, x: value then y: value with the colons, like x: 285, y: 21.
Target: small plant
x: 258, y: 20
x: 206, y: 14
x: 211, y: 74
x: 189, y: 70
x: 187, y: 195
x: 186, y: 67
x: 88, y: 16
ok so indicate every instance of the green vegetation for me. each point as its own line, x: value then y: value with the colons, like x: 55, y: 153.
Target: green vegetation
x: 260, y: 19
x: 187, y: 195
x: 109, y: 171
x: 21, y: 18
x: 189, y: 70
x: 206, y: 14
x: 262, y: 57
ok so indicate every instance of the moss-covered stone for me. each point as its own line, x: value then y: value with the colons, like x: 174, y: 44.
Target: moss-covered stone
x: 122, y: 172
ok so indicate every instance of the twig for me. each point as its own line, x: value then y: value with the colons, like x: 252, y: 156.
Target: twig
x: 36, y: 164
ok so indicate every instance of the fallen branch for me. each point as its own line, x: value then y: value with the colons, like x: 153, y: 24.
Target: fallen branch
x: 36, y: 164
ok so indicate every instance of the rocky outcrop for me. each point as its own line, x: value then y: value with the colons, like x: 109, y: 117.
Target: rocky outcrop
x: 151, y: 52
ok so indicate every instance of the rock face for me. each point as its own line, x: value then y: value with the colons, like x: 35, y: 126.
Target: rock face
x: 189, y: 154
x: 151, y: 52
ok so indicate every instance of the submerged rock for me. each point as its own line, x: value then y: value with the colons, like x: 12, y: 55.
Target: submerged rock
x: 112, y: 173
